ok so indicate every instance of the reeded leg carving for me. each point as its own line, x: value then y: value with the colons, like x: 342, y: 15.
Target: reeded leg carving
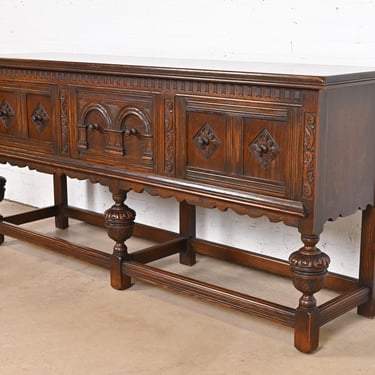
x: 2, y: 192
x: 119, y: 221
x: 309, y: 266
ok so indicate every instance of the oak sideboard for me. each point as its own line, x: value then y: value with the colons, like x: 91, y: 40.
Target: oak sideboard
x: 293, y: 143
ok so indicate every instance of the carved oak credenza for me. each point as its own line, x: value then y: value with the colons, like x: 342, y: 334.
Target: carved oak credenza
x: 295, y: 147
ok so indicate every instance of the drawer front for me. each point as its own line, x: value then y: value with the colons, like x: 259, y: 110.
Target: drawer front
x: 28, y: 118
x: 208, y: 141
x: 40, y: 117
x: 114, y: 128
x: 241, y: 145
x: 9, y: 113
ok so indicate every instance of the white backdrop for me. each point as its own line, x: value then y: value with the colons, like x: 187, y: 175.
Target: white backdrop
x: 324, y: 32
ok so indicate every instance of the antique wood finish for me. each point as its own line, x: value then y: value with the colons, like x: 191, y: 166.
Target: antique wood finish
x: 256, y: 306
x: 187, y: 229
x: 119, y: 220
x: 292, y: 143
x: 59, y: 245
x: 367, y: 260
x: 61, y: 200
x: 2, y: 192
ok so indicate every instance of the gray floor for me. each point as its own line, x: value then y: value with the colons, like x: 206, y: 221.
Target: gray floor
x: 60, y: 316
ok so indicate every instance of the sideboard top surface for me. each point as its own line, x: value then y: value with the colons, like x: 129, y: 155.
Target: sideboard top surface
x: 301, y: 75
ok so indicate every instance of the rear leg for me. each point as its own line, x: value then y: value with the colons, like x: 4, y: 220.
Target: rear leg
x: 2, y: 192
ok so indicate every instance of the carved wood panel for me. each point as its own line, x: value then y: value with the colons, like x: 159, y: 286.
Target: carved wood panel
x: 169, y: 138
x: 40, y: 117
x: 115, y: 128
x: 9, y: 121
x: 266, y: 149
x: 206, y: 141
x: 241, y: 145
x: 64, y: 121
x: 28, y: 116
x: 309, y: 154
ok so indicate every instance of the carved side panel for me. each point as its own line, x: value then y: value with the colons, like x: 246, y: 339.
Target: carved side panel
x: 309, y: 154
x: 169, y: 138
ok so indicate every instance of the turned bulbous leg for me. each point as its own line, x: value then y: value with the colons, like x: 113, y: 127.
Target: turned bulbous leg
x: 119, y: 221
x: 309, y: 266
x: 2, y: 192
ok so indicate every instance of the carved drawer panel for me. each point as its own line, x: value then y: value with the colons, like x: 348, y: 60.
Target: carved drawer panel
x: 115, y: 128
x: 9, y: 114
x: 40, y: 117
x: 27, y: 116
x: 241, y: 144
x: 207, y: 141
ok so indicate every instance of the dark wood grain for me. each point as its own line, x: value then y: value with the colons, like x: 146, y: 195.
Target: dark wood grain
x: 296, y: 148
x: 59, y: 245
x: 61, y: 199
x: 268, y: 310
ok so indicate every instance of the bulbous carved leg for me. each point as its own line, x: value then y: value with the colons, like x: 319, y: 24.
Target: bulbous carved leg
x: 2, y: 192
x: 119, y: 221
x: 309, y: 266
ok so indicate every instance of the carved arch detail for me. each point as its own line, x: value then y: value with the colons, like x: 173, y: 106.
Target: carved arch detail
x: 84, y: 128
x: 116, y: 138
x: 134, y: 111
x: 95, y: 107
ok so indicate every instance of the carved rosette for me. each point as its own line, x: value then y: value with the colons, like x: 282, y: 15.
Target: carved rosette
x: 264, y: 148
x: 309, y: 154
x: 6, y: 113
x: 309, y: 266
x: 40, y: 118
x: 119, y: 221
x: 206, y: 140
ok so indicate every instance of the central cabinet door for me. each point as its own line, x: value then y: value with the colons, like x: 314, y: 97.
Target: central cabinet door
x: 238, y: 144
x: 115, y: 128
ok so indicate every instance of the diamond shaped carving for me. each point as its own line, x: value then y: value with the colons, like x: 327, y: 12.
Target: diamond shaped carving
x: 40, y: 118
x: 206, y: 140
x: 265, y: 148
x: 6, y: 113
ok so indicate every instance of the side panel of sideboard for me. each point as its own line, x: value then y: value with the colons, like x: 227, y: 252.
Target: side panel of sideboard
x: 347, y: 150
